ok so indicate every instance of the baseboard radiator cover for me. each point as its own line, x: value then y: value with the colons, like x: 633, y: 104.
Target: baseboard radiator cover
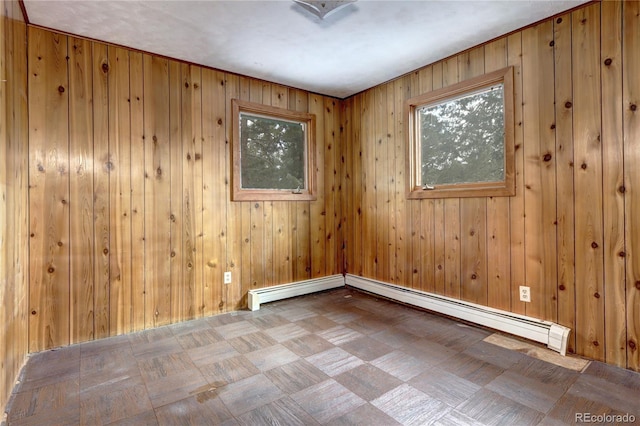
x: 553, y: 335
x: 299, y: 288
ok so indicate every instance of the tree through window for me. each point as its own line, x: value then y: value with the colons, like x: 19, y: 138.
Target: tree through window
x: 461, y: 139
x: 273, y: 153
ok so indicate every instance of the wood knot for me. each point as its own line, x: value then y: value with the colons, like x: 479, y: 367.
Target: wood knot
x: 415, y: 271
x: 60, y: 244
x: 559, y: 21
x: 189, y: 265
x: 256, y: 205
x: 632, y: 345
x: 561, y: 287
x: 583, y: 166
x: 553, y: 126
x: 105, y: 67
x: 173, y: 254
x: 61, y: 89
x: 596, y: 295
x: 637, y: 285
x: 608, y: 61
x: 568, y: 104
x: 51, y: 269
x: 594, y: 245
x: 186, y: 84
x: 198, y: 156
x: 155, y: 138
x: 596, y: 343
x: 158, y: 171
x: 188, y: 156
x: 474, y: 276
x: 33, y: 312
x: 439, y: 267
x: 63, y: 201
x: 622, y: 189
x: 219, y: 121
x: 105, y: 251
x: 547, y: 157
x: 622, y: 254
x: 633, y: 107
x: 172, y: 218
x: 551, y: 43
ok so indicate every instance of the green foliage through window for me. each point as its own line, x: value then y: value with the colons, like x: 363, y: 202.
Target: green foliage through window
x: 462, y: 139
x: 272, y: 153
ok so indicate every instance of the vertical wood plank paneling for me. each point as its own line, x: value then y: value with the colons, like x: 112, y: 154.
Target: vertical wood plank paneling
x: 381, y: 205
x: 330, y: 175
x: 631, y: 132
x: 355, y: 169
x: 221, y: 185
x: 198, y: 191
x: 539, y: 170
x: 102, y: 165
x: 498, y: 229
x: 516, y: 203
x: 299, y: 101
x: 368, y: 177
x: 138, y: 183
x: 189, y: 188
x: 403, y: 212
x: 81, y: 181
x: 176, y: 215
x: 157, y: 192
x: 588, y: 183
x: 14, y: 237
x: 613, y: 181
x: 318, y: 210
x: 211, y: 179
x: 49, y: 190
x: 564, y: 171
x: 120, y: 240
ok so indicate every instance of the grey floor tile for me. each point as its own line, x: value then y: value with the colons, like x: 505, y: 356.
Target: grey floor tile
x: 491, y: 408
x: 248, y: 394
x: 367, y: 381
x: 327, y: 400
x: 271, y: 357
x: 334, y: 361
x: 410, y: 406
x: 307, y: 345
x: 284, y: 411
x: 296, y: 376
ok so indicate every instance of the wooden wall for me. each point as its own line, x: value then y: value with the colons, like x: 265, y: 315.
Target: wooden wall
x: 571, y: 233
x: 131, y: 227
x: 131, y: 224
x: 13, y: 196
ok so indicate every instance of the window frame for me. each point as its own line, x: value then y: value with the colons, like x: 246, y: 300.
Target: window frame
x: 242, y: 194
x: 506, y: 187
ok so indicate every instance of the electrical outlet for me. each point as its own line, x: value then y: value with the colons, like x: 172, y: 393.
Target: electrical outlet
x: 227, y: 277
x: 525, y: 294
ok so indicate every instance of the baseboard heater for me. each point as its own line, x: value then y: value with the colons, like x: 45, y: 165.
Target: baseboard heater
x: 284, y: 291
x: 553, y: 335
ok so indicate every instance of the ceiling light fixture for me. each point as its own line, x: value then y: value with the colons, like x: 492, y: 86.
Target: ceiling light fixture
x: 322, y: 8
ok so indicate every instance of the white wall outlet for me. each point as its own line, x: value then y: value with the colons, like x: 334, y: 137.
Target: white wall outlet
x: 227, y: 277
x: 525, y: 294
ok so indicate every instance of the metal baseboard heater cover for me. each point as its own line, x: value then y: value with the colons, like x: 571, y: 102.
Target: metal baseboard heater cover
x: 551, y: 334
x: 285, y: 291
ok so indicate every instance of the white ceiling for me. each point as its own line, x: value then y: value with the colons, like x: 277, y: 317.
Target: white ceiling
x: 360, y: 46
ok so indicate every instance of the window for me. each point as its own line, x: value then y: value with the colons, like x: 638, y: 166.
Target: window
x: 461, y: 139
x: 273, y: 153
